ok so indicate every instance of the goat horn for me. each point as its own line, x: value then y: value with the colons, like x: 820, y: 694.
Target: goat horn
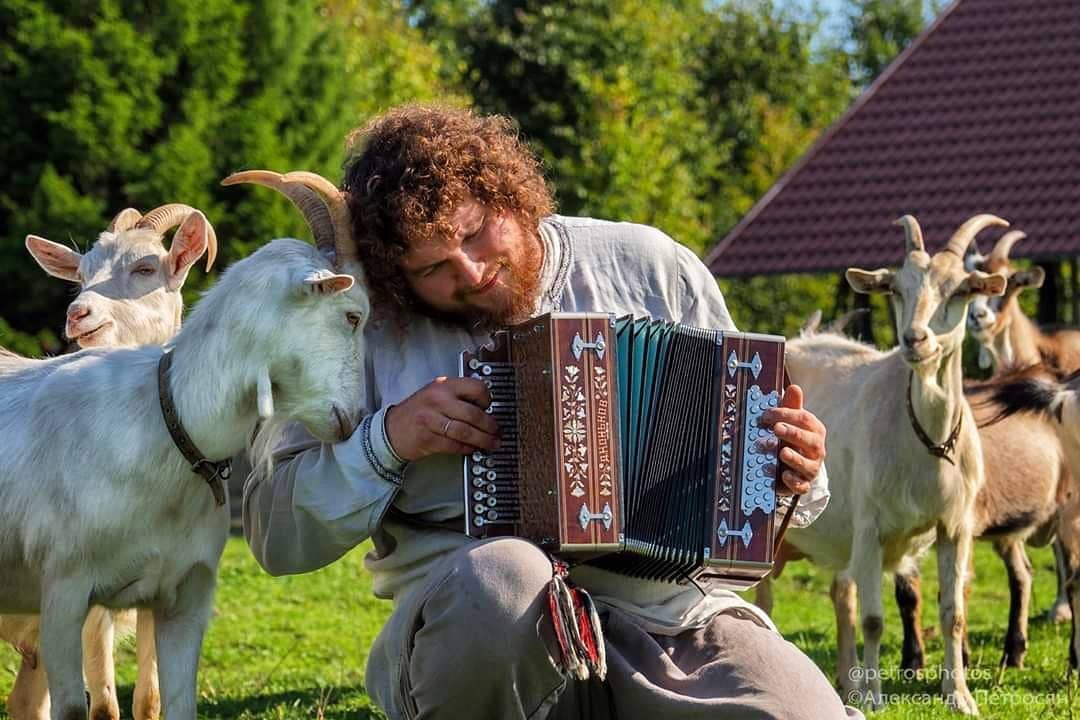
x: 311, y: 204
x: 960, y: 240
x: 337, y: 206
x: 124, y: 220
x: 1004, y: 245
x: 912, y: 233
x: 169, y: 216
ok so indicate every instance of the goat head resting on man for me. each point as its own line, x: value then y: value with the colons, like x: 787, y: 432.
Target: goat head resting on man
x: 280, y: 333
x: 891, y: 485
x: 129, y: 294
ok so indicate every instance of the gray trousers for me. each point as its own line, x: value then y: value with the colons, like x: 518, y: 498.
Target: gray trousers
x: 478, y: 644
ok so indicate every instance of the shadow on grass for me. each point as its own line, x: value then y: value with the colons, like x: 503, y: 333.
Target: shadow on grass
x: 349, y: 702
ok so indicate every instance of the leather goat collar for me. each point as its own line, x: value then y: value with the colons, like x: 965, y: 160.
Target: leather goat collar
x: 946, y: 449
x: 213, y: 471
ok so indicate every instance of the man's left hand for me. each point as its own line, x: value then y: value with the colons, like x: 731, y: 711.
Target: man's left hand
x: 803, y: 441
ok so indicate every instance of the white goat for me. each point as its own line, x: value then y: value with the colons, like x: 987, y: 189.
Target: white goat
x: 129, y: 284
x: 892, y: 490
x: 129, y: 295
x: 99, y: 505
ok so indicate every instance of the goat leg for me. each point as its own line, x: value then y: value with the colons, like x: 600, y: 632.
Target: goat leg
x: 953, y: 552
x: 63, y: 613
x: 866, y: 568
x: 178, y: 633
x: 147, y: 701
x: 29, y: 698
x: 908, y: 588
x: 97, y: 638
x: 1019, y: 571
x: 842, y: 593
x: 1061, y: 610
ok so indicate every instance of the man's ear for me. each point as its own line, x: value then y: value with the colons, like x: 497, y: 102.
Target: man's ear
x: 870, y: 282
x: 980, y: 283
x: 54, y: 258
x: 188, y: 245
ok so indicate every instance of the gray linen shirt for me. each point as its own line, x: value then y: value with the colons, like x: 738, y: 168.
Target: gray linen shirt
x: 325, y: 499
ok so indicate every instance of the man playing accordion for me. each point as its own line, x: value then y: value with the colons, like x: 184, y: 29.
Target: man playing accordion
x: 455, y: 229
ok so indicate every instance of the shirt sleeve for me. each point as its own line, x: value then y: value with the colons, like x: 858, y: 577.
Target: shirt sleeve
x: 321, y: 499
x: 702, y: 305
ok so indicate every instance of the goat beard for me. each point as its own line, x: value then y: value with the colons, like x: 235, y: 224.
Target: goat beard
x: 517, y: 297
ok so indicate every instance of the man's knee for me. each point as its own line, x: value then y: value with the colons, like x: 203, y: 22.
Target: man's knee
x: 501, y: 579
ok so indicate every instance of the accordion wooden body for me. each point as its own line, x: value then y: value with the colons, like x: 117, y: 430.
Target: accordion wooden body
x: 632, y: 444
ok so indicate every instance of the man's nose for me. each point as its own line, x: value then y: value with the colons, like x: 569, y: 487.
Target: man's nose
x: 471, y: 270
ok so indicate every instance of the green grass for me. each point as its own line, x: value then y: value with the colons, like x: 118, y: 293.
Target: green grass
x: 296, y: 647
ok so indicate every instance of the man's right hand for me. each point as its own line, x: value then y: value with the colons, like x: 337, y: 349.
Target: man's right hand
x: 445, y: 416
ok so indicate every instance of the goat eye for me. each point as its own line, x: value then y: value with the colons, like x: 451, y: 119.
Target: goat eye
x: 144, y: 271
x: 354, y: 319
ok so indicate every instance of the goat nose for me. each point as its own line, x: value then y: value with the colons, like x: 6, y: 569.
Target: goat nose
x: 915, y: 336
x: 77, y: 311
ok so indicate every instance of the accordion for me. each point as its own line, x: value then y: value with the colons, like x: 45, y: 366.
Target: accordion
x: 632, y: 444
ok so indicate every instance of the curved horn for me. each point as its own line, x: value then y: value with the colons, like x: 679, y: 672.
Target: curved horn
x: 167, y: 217
x: 124, y: 220
x: 912, y: 233
x: 338, y: 208
x: 960, y: 240
x: 310, y: 204
x: 1004, y: 245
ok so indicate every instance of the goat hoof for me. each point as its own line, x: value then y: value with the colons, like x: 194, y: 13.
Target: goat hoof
x: 962, y: 702
x: 912, y: 663
x: 1059, y: 613
x: 105, y: 713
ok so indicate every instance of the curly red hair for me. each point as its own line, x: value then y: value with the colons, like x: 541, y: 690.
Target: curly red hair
x: 408, y: 169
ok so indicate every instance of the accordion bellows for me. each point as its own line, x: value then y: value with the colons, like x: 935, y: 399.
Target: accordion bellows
x: 633, y: 444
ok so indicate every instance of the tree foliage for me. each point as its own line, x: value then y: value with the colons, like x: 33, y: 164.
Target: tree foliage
x: 678, y: 114
x: 106, y: 104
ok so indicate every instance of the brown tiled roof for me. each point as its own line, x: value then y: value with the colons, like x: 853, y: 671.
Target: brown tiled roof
x: 980, y: 114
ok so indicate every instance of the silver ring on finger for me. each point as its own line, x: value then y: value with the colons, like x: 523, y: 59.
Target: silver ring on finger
x: 446, y: 427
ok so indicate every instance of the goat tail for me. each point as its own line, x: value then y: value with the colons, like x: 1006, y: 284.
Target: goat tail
x: 1032, y: 395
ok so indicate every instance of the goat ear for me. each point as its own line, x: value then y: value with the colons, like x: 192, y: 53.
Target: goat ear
x: 1032, y: 278
x: 188, y: 245
x: 870, y: 282
x: 324, y: 282
x: 264, y: 394
x: 54, y: 258
x: 980, y: 283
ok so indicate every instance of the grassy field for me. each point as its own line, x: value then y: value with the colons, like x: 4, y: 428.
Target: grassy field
x: 296, y: 647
